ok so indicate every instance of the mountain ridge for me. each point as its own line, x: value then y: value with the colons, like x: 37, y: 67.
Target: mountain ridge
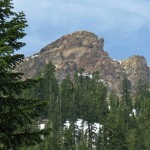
x: 83, y: 49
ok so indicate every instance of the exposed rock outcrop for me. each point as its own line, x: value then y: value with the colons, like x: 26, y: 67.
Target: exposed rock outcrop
x: 85, y: 50
x: 137, y: 70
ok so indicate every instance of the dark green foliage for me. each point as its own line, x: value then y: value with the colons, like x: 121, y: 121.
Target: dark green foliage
x: 67, y: 100
x: 142, y: 106
x: 17, y: 115
x: 48, y: 89
x: 85, y: 98
x: 126, y: 94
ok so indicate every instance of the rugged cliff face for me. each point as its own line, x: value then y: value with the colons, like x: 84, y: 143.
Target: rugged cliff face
x: 136, y: 70
x: 85, y: 50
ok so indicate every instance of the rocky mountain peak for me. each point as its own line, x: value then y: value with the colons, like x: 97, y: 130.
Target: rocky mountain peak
x: 76, y: 39
x: 135, y: 60
x: 84, y: 49
x: 136, y: 69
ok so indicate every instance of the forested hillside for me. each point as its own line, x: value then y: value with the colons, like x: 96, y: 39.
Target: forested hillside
x: 123, y: 121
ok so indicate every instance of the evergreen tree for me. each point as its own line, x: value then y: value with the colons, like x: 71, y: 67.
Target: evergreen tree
x: 48, y: 89
x: 126, y: 99
x: 90, y: 97
x: 52, y: 95
x: 68, y: 112
x: 142, y: 107
x: 17, y: 115
x: 67, y: 100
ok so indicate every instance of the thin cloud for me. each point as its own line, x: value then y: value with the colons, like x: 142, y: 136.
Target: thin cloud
x: 50, y: 19
x: 108, y: 14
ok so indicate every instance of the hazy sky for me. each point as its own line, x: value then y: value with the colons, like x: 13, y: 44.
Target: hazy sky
x: 124, y: 24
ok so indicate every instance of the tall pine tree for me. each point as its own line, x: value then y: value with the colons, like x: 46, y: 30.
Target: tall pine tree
x: 17, y: 115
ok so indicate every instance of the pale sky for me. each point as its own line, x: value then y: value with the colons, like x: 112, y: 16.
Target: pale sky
x: 124, y: 24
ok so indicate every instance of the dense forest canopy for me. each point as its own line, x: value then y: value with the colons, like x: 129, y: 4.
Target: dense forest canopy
x: 123, y: 121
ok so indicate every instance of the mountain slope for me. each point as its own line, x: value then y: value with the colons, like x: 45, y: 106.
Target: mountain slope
x: 85, y: 50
